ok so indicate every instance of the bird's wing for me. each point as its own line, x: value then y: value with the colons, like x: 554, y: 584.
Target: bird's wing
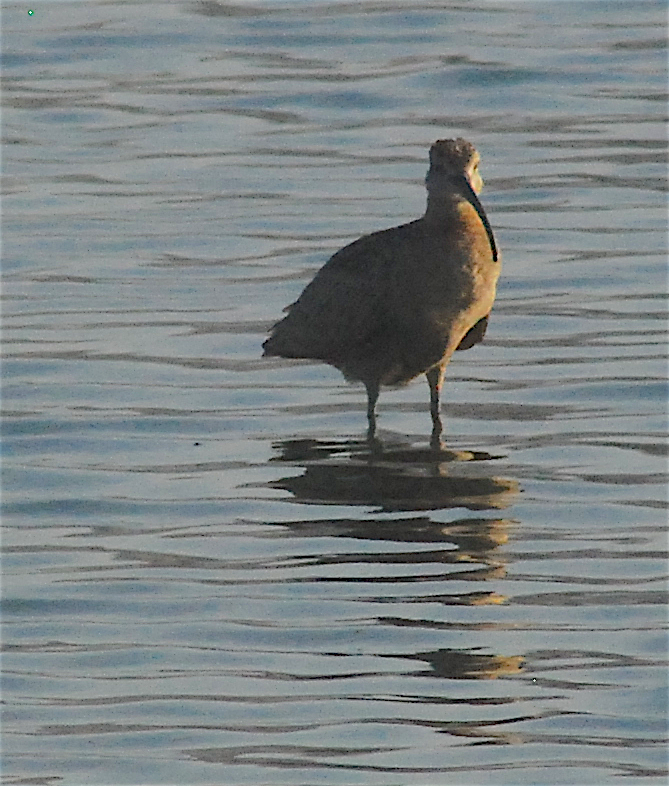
x: 340, y: 311
x: 474, y: 335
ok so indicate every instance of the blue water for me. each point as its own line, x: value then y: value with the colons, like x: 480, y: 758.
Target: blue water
x: 207, y: 576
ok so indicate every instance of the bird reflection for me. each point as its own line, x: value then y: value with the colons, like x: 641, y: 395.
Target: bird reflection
x: 402, y: 477
x: 405, y: 478
x: 467, y: 664
x: 390, y: 478
x: 464, y: 550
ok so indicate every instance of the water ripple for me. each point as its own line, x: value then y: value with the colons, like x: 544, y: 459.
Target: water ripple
x: 209, y: 575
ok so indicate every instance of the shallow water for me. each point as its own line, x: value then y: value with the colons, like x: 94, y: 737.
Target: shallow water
x: 208, y: 576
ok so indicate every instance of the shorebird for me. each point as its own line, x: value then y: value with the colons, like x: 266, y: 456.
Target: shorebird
x: 397, y: 303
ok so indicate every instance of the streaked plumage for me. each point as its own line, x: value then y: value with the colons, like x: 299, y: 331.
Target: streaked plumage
x: 398, y: 303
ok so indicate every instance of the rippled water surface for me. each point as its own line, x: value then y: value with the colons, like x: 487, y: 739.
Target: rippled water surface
x: 209, y: 577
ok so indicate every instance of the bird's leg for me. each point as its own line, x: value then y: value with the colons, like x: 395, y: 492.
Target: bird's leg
x: 435, y: 377
x: 372, y: 396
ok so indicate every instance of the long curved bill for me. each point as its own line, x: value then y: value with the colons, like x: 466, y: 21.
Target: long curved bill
x: 476, y: 204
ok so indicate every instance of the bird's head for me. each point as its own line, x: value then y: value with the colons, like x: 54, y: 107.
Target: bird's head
x: 451, y: 160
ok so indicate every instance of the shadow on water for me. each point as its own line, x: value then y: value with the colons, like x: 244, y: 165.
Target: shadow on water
x: 401, y: 479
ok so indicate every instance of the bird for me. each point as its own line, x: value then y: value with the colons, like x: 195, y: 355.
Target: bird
x: 398, y: 303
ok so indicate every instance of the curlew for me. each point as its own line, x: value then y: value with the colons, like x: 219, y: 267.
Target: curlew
x: 397, y: 303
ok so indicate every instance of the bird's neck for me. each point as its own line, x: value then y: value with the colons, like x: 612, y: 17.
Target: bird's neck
x: 443, y: 203
x: 453, y: 200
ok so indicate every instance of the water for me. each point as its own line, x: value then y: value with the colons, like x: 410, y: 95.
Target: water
x: 208, y: 579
